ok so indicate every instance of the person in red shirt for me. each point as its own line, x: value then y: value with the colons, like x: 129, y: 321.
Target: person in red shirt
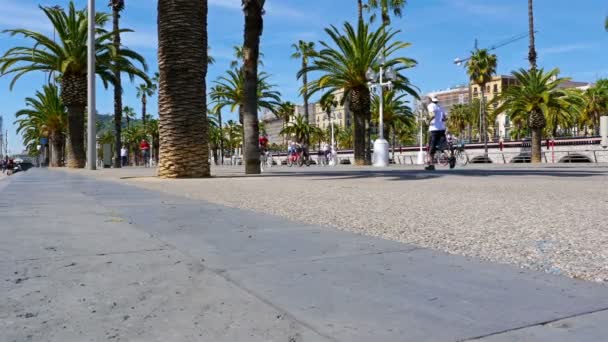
x: 145, y: 151
x: 263, y: 143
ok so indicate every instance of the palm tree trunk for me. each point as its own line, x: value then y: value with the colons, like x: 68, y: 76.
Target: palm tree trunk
x: 56, y: 149
x: 360, y: 10
x: 532, y: 51
x: 536, y: 144
x: 360, y: 105
x: 484, y: 123
x: 74, y: 96
x: 219, y: 116
x: 117, y: 91
x: 144, y: 101
x: 251, y: 50
x: 182, y: 103
x: 305, y: 81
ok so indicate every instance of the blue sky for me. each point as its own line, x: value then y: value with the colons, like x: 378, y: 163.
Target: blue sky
x: 570, y: 37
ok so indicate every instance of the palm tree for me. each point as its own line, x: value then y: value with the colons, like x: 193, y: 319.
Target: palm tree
x: 229, y: 91
x: 299, y: 129
x: 396, y: 113
x: 480, y: 68
x: 565, y: 113
x: 129, y: 113
x: 532, y: 52
x: 233, y: 132
x: 385, y: 7
x: 254, y: 24
x: 285, y: 111
x: 458, y: 120
x: 345, y: 137
x: 68, y: 56
x: 182, y: 101
x: 344, y: 67
x: 45, y: 117
x: 595, y: 104
x: 536, y: 93
x: 152, y: 130
x: 360, y: 7
x: 143, y: 92
x: 117, y: 7
x: 304, y: 51
x: 238, y: 58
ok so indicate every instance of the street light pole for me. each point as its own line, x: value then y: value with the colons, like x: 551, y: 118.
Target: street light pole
x: 381, y: 145
x: 91, y: 143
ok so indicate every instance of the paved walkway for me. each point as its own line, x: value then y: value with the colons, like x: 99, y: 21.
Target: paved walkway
x: 84, y: 259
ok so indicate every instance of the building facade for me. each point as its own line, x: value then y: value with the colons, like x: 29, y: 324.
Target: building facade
x: 341, y: 114
x: 452, y: 96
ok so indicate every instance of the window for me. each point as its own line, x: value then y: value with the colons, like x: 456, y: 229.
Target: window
x: 496, y: 88
x: 488, y: 89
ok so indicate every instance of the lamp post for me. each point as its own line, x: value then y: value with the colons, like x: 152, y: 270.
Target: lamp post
x: 91, y: 141
x: 420, y: 156
x: 334, y: 157
x: 377, y: 82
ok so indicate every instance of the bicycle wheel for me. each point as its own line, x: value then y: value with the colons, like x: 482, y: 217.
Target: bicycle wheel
x: 443, y: 158
x: 300, y: 161
x: 462, y: 158
x: 289, y: 162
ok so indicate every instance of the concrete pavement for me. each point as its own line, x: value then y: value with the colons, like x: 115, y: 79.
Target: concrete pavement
x: 83, y: 259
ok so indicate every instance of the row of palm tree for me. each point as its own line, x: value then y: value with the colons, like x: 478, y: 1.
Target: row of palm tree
x: 67, y: 57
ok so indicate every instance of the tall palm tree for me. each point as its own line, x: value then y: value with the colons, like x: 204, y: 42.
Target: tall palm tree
x: 481, y: 67
x: 129, y: 113
x: 143, y: 92
x: 304, y: 51
x: 536, y: 93
x: 254, y: 25
x: 238, y: 57
x: 45, y: 115
x: 68, y: 56
x: 532, y: 49
x: 385, y: 7
x: 360, y: 7
x: 229, y: 91
x: 182, y: 101
x: 344, y: 65
x: 117, y: 7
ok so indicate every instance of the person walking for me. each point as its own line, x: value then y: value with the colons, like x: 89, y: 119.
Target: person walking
x: 145, y: 151
x: 124, y: 154
x: 437, y: 117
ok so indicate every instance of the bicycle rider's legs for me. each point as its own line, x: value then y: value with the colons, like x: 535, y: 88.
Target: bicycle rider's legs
x: 435, y: 139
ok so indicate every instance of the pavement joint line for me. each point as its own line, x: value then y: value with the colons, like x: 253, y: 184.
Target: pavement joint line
x: 581, y: 314
x: 317, y: 259
x: 59, y: 258
x: 263, y: 299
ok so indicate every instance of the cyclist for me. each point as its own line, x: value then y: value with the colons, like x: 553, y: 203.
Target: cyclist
x: 263, y: 140
x: 438, y: 118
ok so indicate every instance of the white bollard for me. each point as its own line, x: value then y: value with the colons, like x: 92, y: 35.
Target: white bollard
x: 604, y: 131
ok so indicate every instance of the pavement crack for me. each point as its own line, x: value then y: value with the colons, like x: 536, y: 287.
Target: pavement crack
x: 480, y: 337
x: 59, y: 258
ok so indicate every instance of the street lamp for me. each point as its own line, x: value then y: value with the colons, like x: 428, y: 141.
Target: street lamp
x: 91, y: 141
x: 334, y: 158
x: 377, y: 81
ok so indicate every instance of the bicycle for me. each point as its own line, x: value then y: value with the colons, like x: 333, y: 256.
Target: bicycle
x: 462, y: 158
x: 444, y: 154
x: 297, y: 158
x: 265, y: 160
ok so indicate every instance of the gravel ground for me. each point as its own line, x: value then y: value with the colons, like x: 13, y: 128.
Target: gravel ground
x: 551, y: 219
